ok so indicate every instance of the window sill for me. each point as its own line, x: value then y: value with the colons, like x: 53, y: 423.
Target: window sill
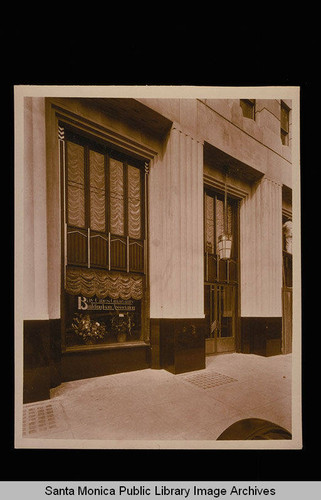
x: 106, y: 347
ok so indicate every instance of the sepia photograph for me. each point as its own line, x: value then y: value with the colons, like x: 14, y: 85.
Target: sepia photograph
x: 157, y: 267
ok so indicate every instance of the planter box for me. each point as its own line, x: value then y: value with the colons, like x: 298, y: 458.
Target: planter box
x: 182, y: 344
x: 262, y: 336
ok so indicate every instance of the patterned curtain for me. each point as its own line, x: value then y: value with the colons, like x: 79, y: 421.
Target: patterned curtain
x: 116, y: 197
x: 134, y: 202
x: 75, y: 185
x: 90, y: 282
x: 229, y: 219
x: 209, y: 223
x: 97, y: 191
x: 220, y: 218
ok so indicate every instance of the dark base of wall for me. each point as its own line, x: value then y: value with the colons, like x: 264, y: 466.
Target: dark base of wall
x: 36, y: 353
x: 77, y: 365
x: 46, y: 367
x: 155, y: 342
x: 41, y: 358
x: 262, y: 336
x: 55, y: 352
x: 36, y: 384
x: 178, y: 345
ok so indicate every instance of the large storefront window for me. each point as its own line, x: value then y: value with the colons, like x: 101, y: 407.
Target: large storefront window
x: 104, y: 243
x: 99, y: 321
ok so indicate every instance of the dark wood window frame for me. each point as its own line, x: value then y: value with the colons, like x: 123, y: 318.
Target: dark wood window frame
x: 124, y: 253
x: 284, y: 123
x: 248, y: 108
x: 133, y: 250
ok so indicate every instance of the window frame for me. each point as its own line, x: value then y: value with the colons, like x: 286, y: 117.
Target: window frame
x: 246, y: 105
x: 109, y: 152
x: 218, y: 270
x: 284, y: 132
x: 233, y: 206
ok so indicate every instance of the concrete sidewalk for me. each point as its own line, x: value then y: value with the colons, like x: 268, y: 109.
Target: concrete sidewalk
x: 157, y: 405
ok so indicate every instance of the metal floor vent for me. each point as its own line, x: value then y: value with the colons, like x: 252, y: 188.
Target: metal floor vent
x: 208, y: 380
x: 42, y: 418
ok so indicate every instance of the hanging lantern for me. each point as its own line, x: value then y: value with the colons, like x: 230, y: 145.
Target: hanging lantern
x: 225, y: 239
x: 225, y: 246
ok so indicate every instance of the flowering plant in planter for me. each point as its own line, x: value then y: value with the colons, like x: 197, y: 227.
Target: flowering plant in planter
x: 87, y: 328
x: 122, y: 325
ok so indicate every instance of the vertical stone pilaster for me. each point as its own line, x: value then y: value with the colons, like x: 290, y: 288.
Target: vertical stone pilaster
x: 36, y: 327
x: 35, y: 278
x: 176, y: 229
x: 261, y: 251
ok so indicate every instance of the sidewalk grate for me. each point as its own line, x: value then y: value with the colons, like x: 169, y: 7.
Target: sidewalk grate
x: 208, y: 380
x: 41, y: 418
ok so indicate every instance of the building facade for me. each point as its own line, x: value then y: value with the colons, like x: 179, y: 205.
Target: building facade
x: 127, y: 202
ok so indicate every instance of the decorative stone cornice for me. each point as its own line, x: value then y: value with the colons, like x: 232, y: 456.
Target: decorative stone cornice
x: 108, y: 134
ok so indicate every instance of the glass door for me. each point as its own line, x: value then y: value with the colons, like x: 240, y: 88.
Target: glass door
x: 220, y: 275
x: 220, y: 313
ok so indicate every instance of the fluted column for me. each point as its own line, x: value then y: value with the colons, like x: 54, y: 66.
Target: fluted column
x: 261, y: 251
x: 176, y: 229
x: 35, y: 279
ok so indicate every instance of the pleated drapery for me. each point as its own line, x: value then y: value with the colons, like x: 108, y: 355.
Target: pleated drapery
x: 104, y: 210
x: 97, y: 191
x: 209, y: 223
x: 125, y: 192
x: 95, y: 282
x: 134, y: 202
x: 116, y: 197
x: 76, y: 185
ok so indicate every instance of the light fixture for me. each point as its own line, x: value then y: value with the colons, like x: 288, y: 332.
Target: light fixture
x: 225, y: 239
x: 225, y: 246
